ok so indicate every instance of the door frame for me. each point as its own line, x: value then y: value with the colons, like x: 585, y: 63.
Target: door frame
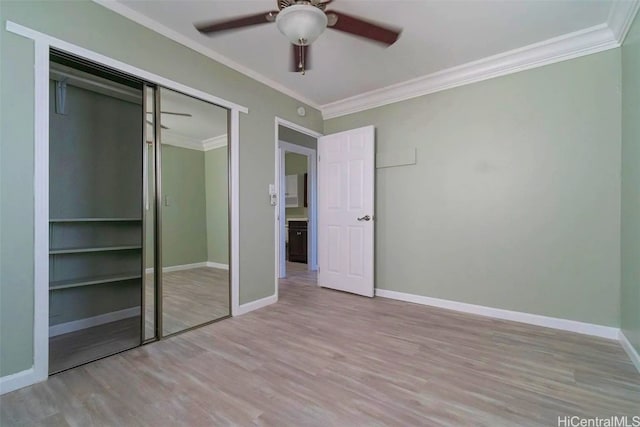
x: 279, y: 210
x: 43, y: 43
x: 312, y: 243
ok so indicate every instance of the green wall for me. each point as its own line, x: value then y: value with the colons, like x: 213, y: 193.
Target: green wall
x: 184, y: 220
x: 630, y: 300
x: 217, y: 188
x: 514, y: 201
x: 295, y: 164
x: 16, y: 203
x: 93, y: 27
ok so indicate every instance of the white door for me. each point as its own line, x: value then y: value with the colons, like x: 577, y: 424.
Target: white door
x: 345, y: 210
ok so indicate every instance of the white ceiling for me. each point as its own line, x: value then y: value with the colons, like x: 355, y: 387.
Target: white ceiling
x: 437, y: 35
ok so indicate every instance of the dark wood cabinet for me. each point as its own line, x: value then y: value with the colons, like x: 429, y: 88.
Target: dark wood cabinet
x: 298, y: 241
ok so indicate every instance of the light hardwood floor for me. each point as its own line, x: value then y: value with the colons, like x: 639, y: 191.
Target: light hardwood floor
x: 190, y: 298
x: 324, y: 358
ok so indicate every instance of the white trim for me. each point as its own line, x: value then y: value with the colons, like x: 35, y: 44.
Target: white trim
x: 89, y: 322
x: 182, y: 141
x: 43, y: 43
x: 568, y: 46
x: 175, y: 139
x: 218, y: 265
x: 600, y: 37
x: 297, y: 127
x: 121, y: 66
x: 21, y: 379
x: 630, y: 349
x: 234, y: 160
x: 498, y: 313
x: 215, y: 142
x: 621, y: 17
x: 41, y: 214
x: 181, y: 267
x: 156, y: 26
x: 281, y: 212
x: 255, y: 305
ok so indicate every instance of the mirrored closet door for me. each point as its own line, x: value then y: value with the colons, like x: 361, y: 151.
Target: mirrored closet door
x: 194, y: 212
x: 138, y: 209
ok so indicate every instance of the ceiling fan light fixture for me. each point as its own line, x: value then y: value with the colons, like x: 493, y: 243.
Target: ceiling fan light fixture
x: 302, y: 24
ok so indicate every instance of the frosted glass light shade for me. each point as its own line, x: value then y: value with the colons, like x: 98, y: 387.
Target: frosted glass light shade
x: 301, y: 21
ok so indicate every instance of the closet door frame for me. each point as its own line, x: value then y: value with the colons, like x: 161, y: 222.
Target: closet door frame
x: 42, y: 44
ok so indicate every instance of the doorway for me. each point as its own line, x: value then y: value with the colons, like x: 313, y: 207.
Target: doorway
x: 296, y: 195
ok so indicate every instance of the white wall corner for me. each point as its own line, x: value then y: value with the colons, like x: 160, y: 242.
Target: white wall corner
x: 630, y: 349
x: 215, y: 142
x: 621, y: 17
x: 515, y: 316
x: 255, y: 305
x: 584, y: 42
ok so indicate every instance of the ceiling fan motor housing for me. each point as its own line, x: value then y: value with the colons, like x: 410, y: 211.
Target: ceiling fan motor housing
x: 302, y: 24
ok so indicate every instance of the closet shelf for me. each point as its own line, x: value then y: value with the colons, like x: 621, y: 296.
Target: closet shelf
x: 53, y: 220
x: 95, y: 280
x: 92, y: 249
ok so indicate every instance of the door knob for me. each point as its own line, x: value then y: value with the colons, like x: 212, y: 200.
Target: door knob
x: 364, y: 218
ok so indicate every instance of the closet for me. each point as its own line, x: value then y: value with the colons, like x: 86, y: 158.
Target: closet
x: 138, y: 212
x: 95, y: 211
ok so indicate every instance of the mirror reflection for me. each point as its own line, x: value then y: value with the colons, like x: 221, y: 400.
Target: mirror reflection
x: 194, y: 213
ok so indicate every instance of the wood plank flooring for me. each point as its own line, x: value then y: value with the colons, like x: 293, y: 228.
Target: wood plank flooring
x: 86, y: 345
x: 190, y: 298
x: 325, y: 358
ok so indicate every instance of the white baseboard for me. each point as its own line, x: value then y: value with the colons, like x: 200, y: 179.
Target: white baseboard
x: 190, y: 266
x: 18, y: 380
x: 76, y: 325
x: 498, y: 313
x: 254, y: 305
x: 212, y: 264
x: 630, y: 349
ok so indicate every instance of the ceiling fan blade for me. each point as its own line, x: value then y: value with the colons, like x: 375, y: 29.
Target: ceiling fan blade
x: 300, y: 58
x: 359, y: 27
x: 149, y: 122
x: 177, y: 114
x: 173, y: 114
x: 235, y: 23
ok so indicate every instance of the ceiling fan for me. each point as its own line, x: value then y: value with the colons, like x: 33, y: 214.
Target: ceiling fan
x: 302, y: 22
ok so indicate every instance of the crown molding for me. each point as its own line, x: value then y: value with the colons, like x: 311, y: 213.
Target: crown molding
x: 215, y: 142
x: 156, y: 26
x: 182, y: 141
x: 621, y: 17
x: 175, y: 139
x: 591, y: 40
x: 568, y: 46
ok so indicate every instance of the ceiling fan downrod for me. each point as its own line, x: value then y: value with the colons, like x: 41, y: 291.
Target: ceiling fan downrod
x: 302, y: 58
